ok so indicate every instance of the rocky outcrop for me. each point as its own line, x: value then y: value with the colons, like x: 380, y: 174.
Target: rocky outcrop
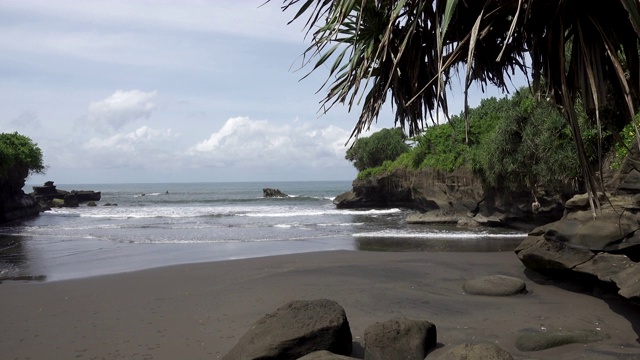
x: 295, y: 330
x: 601, y: 245
x: 271, y: 193
x: 604, y: 247
x: 48, y: 196
x: 14, y: 203
x: 456, y: 198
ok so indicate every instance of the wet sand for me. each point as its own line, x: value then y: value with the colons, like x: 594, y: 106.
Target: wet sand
x: 199, y: 311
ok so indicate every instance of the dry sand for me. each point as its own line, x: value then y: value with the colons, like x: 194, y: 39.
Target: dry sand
x: 199, y: 311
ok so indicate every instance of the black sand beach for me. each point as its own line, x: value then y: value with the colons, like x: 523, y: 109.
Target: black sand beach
x: 199, y: 311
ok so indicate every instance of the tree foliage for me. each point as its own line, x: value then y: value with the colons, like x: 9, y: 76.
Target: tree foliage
x: 373, y: 151
x: 19, y: 153
x: 410, y: 51
x: 516, y: 144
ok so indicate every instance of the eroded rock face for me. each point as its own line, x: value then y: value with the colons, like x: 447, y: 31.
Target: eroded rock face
x: 295, y: 330
x: 399, y: 339
x: 456, y: 198
x: 605, y: 247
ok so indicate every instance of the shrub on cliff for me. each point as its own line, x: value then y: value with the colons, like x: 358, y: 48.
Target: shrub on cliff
x: 373, y: 151
x: 19, y: 157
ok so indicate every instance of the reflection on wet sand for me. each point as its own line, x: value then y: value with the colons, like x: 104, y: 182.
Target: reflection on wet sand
x: 436, y: 244
x: 13, y: 259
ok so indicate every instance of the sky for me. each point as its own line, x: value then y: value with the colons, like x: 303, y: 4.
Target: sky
x: 144, y: 91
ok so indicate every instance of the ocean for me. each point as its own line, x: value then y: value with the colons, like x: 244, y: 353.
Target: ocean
x: 156, y: 225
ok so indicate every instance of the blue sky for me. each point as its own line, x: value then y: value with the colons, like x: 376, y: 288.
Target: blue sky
x: 169, y: 91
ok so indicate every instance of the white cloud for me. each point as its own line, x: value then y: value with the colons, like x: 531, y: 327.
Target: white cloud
x: 135, y: 141
x: 121, y: 108
x: 244, y: 141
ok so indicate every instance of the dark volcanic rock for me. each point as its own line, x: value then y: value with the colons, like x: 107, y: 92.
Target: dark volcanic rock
x: 14, y: 203
x: 456, y: 198
x: 476, y: 352
x: 270, y: 193
x: 294, y: 330
x: 48, y: 196
x: 399, y: 339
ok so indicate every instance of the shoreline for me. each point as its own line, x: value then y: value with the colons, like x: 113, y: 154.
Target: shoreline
x: 199, y: 311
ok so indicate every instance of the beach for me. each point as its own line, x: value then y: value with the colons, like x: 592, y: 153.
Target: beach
x: 199, y: 311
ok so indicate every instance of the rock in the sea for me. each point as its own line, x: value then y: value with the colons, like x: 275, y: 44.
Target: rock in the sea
x: 295, y: 330
x: 271, y: 193
x: 399, y: 339
x: 495, y: 285
x: 549, y: 339
x: 325, y: 355
x: 476, y: 352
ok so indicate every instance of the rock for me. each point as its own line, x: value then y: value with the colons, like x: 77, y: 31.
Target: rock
x: 324, y: 355
x: 91, y: 203
x: 270, y: 193
x: 295, y: 330
x: 628, y: 281
x: 87, y: 195
x: 57, y: 202
x: 582, y: 230
x: 549, y: 339
x: 604, y: 266
x: 399, y: 339
x: 548, y: 256
x: 71, y: 200
x: 476, y: 352
x: 110, y: 204
x: 45, y: 195
x: 495, y: 285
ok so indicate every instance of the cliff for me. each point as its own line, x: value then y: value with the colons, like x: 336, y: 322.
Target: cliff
x: 14, y: 203
x: 455, y: 198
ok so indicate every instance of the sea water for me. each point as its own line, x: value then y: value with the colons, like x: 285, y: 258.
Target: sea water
x: 152, y: 225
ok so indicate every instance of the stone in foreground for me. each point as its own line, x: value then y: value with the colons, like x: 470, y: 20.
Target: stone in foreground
x: 295, y: 330
x: 476, y: 352
x: 495, y: 285
x: 324, y: 355
x: 549, y: 339
x: 399, y: 339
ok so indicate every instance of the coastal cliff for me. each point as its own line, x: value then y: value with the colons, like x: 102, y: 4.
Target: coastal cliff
x: 566, y: 238
x: 453, y: 198
x: 14, y: 203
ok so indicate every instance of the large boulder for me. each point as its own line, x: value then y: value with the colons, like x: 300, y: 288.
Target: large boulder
x: 295, y: 330
x: 399, y: 339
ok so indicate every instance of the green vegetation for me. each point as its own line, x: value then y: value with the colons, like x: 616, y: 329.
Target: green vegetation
x: 409, y: 51
x: 372, y: 151
x: 19, y: 155
x: 515, y: 144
